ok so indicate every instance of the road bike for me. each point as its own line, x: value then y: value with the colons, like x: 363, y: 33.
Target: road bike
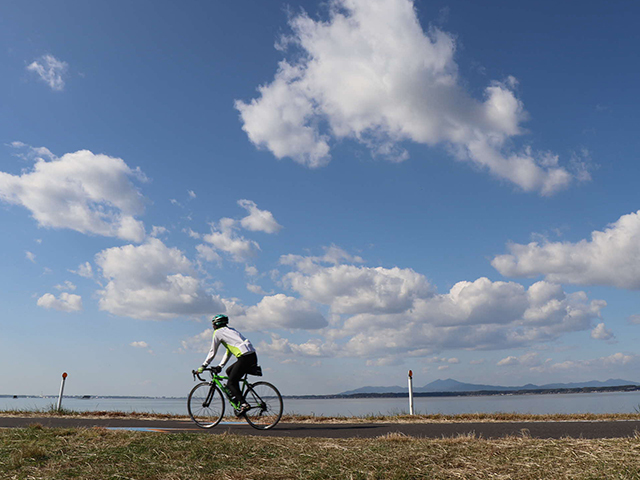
x: 206, y: 401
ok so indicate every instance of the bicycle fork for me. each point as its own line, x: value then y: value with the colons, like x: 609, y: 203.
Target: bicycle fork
x: 207, y: 401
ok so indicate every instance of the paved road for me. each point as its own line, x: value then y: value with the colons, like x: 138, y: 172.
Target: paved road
x: 342, y: 430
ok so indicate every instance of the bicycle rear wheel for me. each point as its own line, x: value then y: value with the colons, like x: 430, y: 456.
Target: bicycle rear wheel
x: 266, y: 405
x: 206, y: 405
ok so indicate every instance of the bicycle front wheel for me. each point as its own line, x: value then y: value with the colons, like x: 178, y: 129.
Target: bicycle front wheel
x: 206, y: 405
x: 266, y: 405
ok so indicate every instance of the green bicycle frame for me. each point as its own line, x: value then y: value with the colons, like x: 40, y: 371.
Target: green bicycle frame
x: 217, y: 379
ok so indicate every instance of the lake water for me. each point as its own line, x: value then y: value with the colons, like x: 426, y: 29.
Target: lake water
x: 616, y: 402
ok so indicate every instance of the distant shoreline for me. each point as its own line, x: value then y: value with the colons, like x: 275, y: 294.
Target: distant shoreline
x: 476, y: 393
x: 466, y: 393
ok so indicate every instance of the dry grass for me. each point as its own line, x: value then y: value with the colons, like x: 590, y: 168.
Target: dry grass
x: 380, y: 418
x: 38, y: 453
x: 465, y: 418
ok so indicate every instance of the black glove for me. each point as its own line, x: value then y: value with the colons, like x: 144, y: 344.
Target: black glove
x: 217, y: 369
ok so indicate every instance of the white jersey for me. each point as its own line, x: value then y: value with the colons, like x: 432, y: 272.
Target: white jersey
x: 234, y: 342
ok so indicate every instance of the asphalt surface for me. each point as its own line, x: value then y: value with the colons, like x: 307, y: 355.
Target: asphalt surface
x: 615, y: 429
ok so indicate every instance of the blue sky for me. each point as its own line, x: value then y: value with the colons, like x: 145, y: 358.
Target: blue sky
x: 364, y: 187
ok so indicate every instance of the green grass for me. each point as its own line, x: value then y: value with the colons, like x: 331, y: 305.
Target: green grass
x: 43, y: 453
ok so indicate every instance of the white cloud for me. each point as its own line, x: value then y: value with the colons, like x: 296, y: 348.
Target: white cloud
x: 474, y: 315
x: 258, y: 220
x: 152, y: 281
x: 284, y: 347
x: 531, y: 360
x: 257, y: 289
x: 207, y: 253
x: 372, y: 74
x: 67, y: 285
x: 67, y: 302
x: 82, y: 191
x: 280, y: 311
x: 157, y: 231
x: 634, y: 319
x: 510, y: 360
x: 192, y: 194
x: 84, y: 270
x: 611, y: 257
x: 384, y: 362
x: 353, y: 289
x: 601, y: 332
x: 614, y: 364
x: 381, y: 312
x: 30, y: 256
x: 225, y: 238
x: 140, y: 344
x: 191, y: 233
x: 50, y: 70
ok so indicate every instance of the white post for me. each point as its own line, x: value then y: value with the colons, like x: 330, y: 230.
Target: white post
x: 64, y: 377
x: 410, y: 392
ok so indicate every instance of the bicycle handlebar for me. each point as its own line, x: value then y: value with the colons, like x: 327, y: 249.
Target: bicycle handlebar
x: 208, y: 369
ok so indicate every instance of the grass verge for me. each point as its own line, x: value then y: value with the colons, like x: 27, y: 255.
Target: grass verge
x: 39, y: 453
x: 371, y: 418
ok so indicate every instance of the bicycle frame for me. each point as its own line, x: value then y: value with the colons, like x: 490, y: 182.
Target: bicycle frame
x: 217, y: 380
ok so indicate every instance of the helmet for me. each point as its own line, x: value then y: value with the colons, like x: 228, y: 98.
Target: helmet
x: 220, y: 321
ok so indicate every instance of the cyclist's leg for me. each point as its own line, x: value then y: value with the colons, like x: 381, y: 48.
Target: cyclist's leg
x: 236, y: 371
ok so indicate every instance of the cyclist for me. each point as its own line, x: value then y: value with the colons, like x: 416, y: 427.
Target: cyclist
x: 238, y: 346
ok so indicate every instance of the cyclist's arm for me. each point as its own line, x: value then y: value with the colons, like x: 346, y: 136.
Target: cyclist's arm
x: 225, y: 359
x: 215, y: 343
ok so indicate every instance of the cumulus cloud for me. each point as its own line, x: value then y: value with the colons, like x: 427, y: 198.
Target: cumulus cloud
x: 67, y: 302
x: 152, y: 281
x: 84, y: 270
x: 333, y: 255
x: 87, y: 192
x: 281, y: 311
x: 473, y: 315
x: 224, y: 237
x: 601, y: 332
x: 634, y: 319
x: 611, y: 257
x: 371, y: 73
x: 279, y: 346
x: 385, y: 312
x: 616, y: 364
x: 531, y: 360
x: 67, y: 285
x: 257, y: 289
x: 258, y: 220
x: 207, y: 253
x: 140, y: 344
x: 30, y: 256
x: 157, y: 231
x: 50, y: 70
x: 353, y: 289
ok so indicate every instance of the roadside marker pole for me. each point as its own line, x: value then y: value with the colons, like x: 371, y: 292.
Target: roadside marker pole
x: 410, y: 392
x: 64, y: 377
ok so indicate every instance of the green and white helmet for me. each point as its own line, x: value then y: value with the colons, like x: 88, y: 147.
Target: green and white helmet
x: 220, y: 321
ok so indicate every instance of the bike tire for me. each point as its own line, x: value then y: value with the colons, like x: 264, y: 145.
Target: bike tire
x: 206, y: 405
x: 266, y: 405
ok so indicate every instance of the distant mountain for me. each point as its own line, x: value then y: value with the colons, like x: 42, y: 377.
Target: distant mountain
x: 451, y: 385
